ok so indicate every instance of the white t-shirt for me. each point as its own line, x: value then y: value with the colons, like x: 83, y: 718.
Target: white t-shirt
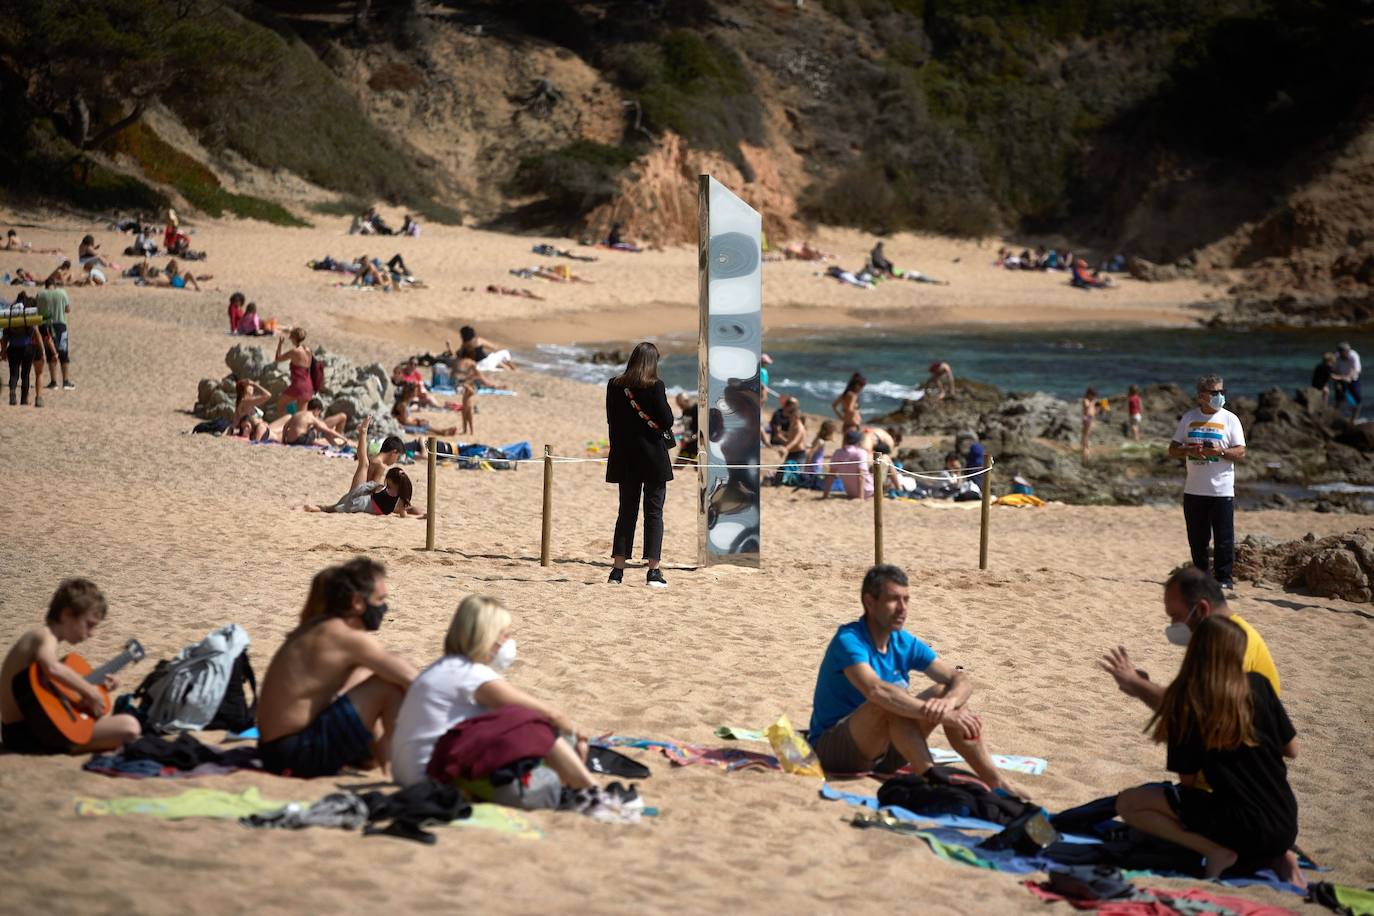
x: 440, y: 698
x: 1348, y: 364
x: 1212, y: 476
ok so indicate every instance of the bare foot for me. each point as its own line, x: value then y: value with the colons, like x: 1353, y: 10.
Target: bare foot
x: 312, y: 508
x: 1287, y: 869
x: 1218, y: 861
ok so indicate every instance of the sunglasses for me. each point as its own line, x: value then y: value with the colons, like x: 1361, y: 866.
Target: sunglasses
x: 1213, y: 391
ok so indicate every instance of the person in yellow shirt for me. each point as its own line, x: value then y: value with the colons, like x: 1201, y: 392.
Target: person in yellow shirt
x: 1190, y: 596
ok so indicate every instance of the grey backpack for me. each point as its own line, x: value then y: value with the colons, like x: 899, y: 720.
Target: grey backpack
x: 185, y: 693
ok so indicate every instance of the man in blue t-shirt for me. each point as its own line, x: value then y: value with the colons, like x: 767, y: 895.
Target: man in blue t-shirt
x: 864, y: 716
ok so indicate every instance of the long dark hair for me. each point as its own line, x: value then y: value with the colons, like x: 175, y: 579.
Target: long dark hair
x: 404, y: 489
x: 1210, y: 694
x: 642, y: 369
x: 856, y: 383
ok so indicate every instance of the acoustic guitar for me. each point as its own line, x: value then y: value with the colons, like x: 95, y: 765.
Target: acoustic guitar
x: 53, y: 711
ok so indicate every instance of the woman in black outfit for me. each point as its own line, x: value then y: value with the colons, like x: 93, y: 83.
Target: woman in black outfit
x: 641, y: 425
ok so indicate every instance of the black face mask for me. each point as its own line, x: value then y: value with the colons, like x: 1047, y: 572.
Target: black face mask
x: 373, y: 615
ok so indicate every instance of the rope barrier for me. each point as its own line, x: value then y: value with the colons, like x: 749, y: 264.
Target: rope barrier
x: 940, y: 476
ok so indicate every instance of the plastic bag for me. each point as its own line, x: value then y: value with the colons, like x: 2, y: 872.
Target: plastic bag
x: 793, y: 752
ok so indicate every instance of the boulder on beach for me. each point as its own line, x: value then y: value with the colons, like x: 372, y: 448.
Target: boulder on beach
x: 356, y: 391
x: 1339, y: 566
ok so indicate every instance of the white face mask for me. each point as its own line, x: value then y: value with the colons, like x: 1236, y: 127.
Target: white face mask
x: 505, y: 656
x: 1178, y: 633
x: 1218, y: 401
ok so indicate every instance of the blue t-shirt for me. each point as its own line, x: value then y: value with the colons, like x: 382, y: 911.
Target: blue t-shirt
x: 835, y: 697
x: 975, y: 456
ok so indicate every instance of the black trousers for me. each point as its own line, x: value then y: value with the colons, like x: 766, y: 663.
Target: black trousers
x: 1211, y: 519
x: 654, y: 494
x: 21, y: 363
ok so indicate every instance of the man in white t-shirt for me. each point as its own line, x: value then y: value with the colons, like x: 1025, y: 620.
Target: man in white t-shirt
x: 1345, y: 372
x: 1209, y: 438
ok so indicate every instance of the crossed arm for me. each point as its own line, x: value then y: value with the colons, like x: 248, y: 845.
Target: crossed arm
x: 946, y: 708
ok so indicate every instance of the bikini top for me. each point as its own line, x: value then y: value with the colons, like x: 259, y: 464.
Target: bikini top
x: 383, y: 502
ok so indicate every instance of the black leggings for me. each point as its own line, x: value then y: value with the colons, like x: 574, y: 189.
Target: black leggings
x: 654, y: 494
x: 398, y: 266
x: 21, y: 362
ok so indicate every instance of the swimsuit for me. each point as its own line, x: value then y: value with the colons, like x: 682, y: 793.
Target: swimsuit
x: 300, y: 387
x: 383, y: 503
x: 336, y: 739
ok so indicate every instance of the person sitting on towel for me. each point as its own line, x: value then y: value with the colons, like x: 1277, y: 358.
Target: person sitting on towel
x: 76, y: 609
x: 1190, y: 596
x: 1227, y: 724
x: 331, y: 693
x: 308, y: 426
x: 865, y: 717
x: 469, y: 680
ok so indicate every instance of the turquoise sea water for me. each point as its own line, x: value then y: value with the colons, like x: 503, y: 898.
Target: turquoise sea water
x: 815, y: 367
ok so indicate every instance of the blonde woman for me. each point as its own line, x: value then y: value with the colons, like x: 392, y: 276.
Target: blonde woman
x: 469, y: 681
x: 298, y: 360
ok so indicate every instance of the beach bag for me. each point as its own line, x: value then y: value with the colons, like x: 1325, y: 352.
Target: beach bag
x: 186, y: 693
x: 316, y: 374
x: 948, y: 790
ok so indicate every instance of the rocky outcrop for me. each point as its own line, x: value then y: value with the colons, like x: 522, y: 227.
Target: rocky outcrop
x: 355, y: 391
x: 1338, y: 566
x: 1293, y: 441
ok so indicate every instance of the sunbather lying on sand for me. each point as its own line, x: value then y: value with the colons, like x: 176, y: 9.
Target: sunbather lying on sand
x: 401, y: 411
x: 510, y: 291
x: 390, y: 495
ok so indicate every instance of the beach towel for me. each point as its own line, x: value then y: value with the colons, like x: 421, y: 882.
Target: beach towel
x: 498, y: 818
x: 680, y: 754
x: 1012, y: 763
x: 1348, y: 901
x: 1150, y: 901
x: 212, y: 803
x: 951, y: 830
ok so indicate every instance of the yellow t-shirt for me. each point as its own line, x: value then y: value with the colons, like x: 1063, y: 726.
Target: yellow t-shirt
x: 1257, y: 657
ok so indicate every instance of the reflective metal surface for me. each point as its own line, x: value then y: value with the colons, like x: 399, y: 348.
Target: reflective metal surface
x: 730, y: 282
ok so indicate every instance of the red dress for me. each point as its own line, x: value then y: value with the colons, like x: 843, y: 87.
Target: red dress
x: 300, y: 387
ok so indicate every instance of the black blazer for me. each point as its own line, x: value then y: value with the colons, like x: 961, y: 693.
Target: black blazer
x: 638, y: 453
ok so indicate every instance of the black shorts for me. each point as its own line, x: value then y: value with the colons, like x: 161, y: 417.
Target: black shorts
x: 335, y: 740
x: 1201, y: 812
x: 20, y: 738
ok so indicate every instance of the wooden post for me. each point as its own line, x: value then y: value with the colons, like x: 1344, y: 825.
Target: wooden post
x: 879, y: 488
x: 430, y: 499
x: 983, y: 528
x: 546, y: 535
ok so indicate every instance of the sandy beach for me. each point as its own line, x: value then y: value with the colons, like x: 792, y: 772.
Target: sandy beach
x: 186, y: 533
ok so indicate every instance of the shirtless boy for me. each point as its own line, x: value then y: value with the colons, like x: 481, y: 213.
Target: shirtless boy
x: 77, y: 608
x: 305, y: 427
x: 332, y: 691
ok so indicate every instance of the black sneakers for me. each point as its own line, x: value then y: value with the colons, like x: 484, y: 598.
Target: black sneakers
x: 617, y: 576
x: 655, y: 578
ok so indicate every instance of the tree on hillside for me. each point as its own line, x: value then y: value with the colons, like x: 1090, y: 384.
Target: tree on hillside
x: 91, y: 67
